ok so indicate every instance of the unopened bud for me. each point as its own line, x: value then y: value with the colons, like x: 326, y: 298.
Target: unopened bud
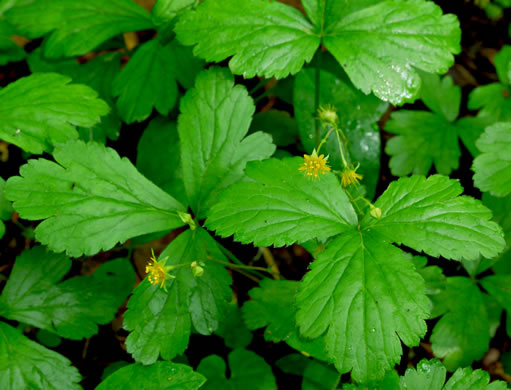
x: 197, y: 270
x: 187, y: 218
x: 375, y: 212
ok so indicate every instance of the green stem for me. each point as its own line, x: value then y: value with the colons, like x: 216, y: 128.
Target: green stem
x: 259, y: 85
x: 234, y: 259
x: 341, y: 150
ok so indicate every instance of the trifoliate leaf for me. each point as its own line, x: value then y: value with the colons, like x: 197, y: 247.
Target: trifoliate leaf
x: 428, y: 215
x: 72, y: 308
x: 157, y: 376
x: 77, y: 27
x: 424, y: 139
x: 279, y: 124
x: 469, y: 131
x: 441, y: 95
x: 265, y: 38
x: 378, y: 46
x: 148, y: 81
x: 493, y: 166
x: 216, y: 115
x: 248, y: 372
x: 452, y: 340
x: 160, y: 321
x: 466, y: 379
x: 364, y: 322
x: 429, y: 375
x: 25, y: 364
x: 278, y: 316
x: 357, y: 114
x: 372, y: 42
x: 281, y: 206
x: 159, y: 159
x: 41, y: 110
x: 427, y: 138
x: 90, y: 200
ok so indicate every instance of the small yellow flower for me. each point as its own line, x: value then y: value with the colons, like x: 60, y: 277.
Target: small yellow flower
x: 350, y: 176
x: 328, y: 114
x: 315, y: 164
x: 158, y: 271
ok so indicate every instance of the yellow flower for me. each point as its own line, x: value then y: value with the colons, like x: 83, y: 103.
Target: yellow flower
x: 315, y: 164
x: 328, y: 114
x: 158, y: 271
x: 350, y: 176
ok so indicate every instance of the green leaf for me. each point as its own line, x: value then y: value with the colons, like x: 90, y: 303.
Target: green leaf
x: 160, y: 321
x: 232, y: 328
x: 429, y: 375
x: 493, y: 166
x: 25, y: 364
x: 423, y: 138
x: 469, y: 130
x: 158, y: 157
x: 157, y: 376
x: 5, y: 205
x: 494, y: 102
x: 501, y: 208
x: 97, y: 74
x: 503, y: 64
x: 428, y: 215
x: 248, y: 372
x: 148, y: 81
x: 441, y: 95
x: 72, y: 308
x: 279, y: 124
x: 77, y: 27
x: 90, y: 200
x: 390, y: 382
x: 320, y: 376
x: 281, y: 206
x: 458, y: 344
x: 165, y: 11
x: 357, y: 113
x: 265, y: 38
x: 216, y: 115
x: 364, y: 321
x: 278, y: 316
x: 41, y: 110
x: 9, y: 50
x: 466, y: 379
x: 379, y: 46
x: 498, y: 286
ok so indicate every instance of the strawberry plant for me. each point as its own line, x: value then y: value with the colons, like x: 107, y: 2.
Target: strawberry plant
x: 193, y: 195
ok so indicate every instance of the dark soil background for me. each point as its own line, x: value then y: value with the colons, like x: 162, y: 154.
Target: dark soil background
x: 482, y: 38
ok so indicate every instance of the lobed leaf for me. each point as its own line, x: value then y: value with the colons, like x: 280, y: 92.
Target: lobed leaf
x: 281, y: 206
x: 77, y: 27
x: 41, y: 111
x: 428, y: 215
x: 72, y: 308
x: 160, y: 321
x: 90, y: 199
x: 215, y: 118
x: 157, y: 376
x: 366, y: 297
x: 493, y: 166
x: 25, y: 364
